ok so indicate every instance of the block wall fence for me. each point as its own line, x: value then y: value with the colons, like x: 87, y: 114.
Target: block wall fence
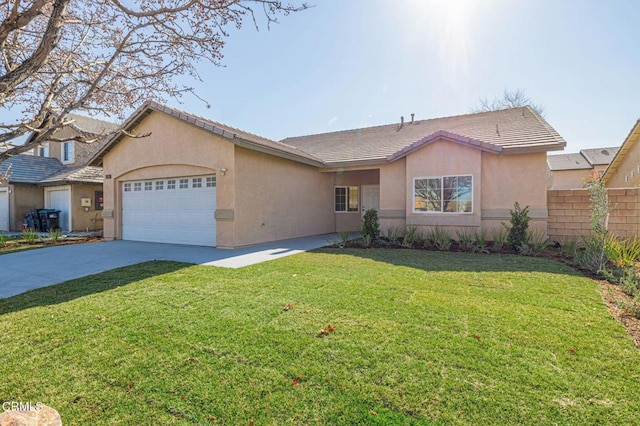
x: 570, y: 212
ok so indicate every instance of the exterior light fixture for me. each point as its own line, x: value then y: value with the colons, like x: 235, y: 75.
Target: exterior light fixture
x: 223, y: 170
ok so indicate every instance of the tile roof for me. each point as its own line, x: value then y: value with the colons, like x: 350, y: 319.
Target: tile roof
x: 30, y: 168
x: 85, y: 174
x: 599, y: 156
x: 236, y: 136
x: 567, y: 162
x: 585, y: 159
x: 514, y: 130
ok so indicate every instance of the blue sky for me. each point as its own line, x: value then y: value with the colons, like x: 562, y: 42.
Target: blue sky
x: 352, y: 63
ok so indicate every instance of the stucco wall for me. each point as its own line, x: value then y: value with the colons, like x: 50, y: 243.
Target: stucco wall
x: 570, y: 213
x: 393, y: 195
x: 351, y: 221
x: 510, y: 178
x: 85, y: 220
x: 278, y: 199
x: 174, y: 148
x: 571, y: 179
x: 444, y: 158
x: 22, y: 199
x: 627, y: 173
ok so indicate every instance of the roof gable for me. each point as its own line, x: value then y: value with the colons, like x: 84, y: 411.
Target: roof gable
x: 236, y: 136
x: 448, y: 136
x: 631, y: 139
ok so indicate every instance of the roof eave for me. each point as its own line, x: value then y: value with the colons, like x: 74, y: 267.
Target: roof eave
x: 626, y: 147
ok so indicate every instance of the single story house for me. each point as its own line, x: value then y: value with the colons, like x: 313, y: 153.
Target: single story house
x: 196, y: 181
x: 624, y: 170
x: 569, y: 171
x: 55, y: 175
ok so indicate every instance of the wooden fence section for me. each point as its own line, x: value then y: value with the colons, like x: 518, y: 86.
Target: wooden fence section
x: 570, y: 212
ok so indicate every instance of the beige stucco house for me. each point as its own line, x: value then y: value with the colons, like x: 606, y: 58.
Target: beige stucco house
x: 195, y: 181
x: 624, y: 170
x: 55, y: 175
x: 572, y: 171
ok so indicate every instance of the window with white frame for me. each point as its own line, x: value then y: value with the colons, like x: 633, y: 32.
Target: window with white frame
x: 148, y: 186
x: 68, y: 154
x: 137, y: 186
x: 159, y: 185
x: 171, y: 184
x: 196, y: 183
x: 444, y: 194
x: 43, y: 150
x: 346, y: 199
x: 184, y: 183
x: 211, y: 181
x: 127, y: 187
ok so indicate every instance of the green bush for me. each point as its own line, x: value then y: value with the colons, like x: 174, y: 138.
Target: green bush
x: 412, y: 236
x: 517, y: 231
x: 467, y: 239
x: 370, y: 225
x: 499, y: 237
x: 439, y: 238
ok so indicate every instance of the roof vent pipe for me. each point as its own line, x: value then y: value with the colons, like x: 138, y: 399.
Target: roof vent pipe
x: 497, y: 131
x: 401, y: 122
x: 412, y: 115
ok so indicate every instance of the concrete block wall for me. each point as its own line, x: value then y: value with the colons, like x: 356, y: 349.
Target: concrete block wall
x: 570, y: 212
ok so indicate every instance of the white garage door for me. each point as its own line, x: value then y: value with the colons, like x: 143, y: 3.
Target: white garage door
x: 60, y: 199
x: 4, y: 209
x: 173, y: 210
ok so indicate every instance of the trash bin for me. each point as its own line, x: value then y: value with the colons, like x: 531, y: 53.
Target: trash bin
x: 32, y: 219
x: 49, y: 219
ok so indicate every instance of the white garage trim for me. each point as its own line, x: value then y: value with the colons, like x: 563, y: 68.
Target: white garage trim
x: 177, y: 210
x: 59, y: 198
x: 4, y: 209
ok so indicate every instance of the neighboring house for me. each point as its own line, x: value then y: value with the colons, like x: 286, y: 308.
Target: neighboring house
x: 55, y: 176
x: 569, y: 171
x: 195, y: 181
x: 624, y: 170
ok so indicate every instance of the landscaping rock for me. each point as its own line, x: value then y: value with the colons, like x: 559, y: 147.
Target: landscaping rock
x: 43, y: 416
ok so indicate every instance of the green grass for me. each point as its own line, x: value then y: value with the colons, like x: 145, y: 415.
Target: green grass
x: 421, y: 338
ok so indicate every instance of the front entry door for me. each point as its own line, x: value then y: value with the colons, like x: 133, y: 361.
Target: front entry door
x: 370, y: 197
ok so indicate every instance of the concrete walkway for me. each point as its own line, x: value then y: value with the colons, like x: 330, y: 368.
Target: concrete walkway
x: 26, y: 270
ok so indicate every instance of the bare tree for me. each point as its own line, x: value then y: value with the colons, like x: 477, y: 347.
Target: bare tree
x: 509, y: 99
x: 101, y: 57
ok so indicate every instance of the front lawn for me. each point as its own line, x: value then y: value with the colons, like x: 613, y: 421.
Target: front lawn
x: 420, y: 338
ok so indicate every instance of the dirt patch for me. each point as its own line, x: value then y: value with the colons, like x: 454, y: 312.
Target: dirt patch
x: 612, y: 295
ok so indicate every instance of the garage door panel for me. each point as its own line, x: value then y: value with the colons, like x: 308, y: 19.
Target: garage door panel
x: 178, y: 216
x: 4, y: 210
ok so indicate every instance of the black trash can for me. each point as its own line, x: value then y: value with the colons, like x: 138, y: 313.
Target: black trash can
x: 50, y: 219
x: 33, y: 220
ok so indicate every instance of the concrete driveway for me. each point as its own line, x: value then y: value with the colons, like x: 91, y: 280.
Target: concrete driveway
x: 23, y: 271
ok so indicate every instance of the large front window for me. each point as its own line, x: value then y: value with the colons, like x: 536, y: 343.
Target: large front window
x: 446, y: 194
x: 346, y: 198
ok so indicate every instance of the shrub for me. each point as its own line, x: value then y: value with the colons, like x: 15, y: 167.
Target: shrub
x: 499, y: 236
x: 3, y: 239
x: 370, y: 225
x: 345, y: 236
x: 29, y: 235
x: 517, y: 231
x: 537, y: 240
x: 467, y: 239
x: 412, y: 236
x: 439, y: 238
x: 394, y: 233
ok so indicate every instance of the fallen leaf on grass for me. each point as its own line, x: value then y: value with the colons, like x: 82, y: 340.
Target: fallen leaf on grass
x: 400, y: 394
x: 296, y: 381
x: 323, y: 332
x: 193, y: 360
x: 129, y: 386
x: 373, y: 413
x: 573, y: 351
x: 288, y: 306
x: 330, y: 328
x: 476, y: 337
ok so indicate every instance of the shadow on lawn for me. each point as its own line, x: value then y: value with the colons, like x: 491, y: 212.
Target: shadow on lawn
x: 74, y: 289
x: 429, y: 260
